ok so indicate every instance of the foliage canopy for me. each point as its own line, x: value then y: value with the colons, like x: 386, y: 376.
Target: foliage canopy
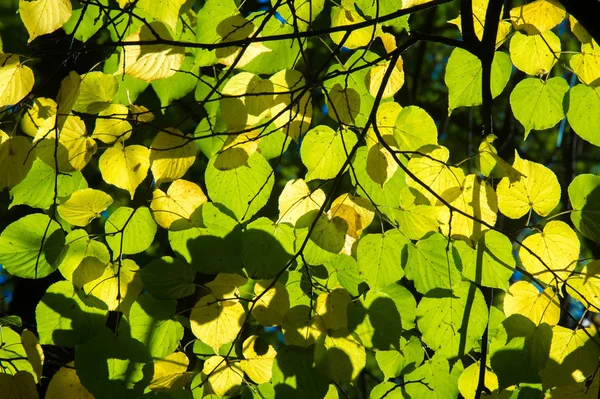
x: 224, y: 199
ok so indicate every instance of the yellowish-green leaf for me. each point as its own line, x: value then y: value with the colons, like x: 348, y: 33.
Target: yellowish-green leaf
x: 538, y: 306
x: 18, y: 386
x: 557, y: 246
x: 224, y: 378
x: 119, y: 285
x: 490, y: 164
x: 83, y: 259
x: 376, y: 75
x: 432, y: 170
x: 67, y: 95
x: 16, y: 79
x: 236, y: 150
x: 170, y: 373
x: 295, y: 120
x: 296, y: 200
x: 537, y: 189
x: 225, y: 285
x: 216, y: 322
x: 125, y: 167
x: 299, y: 328
x: 414, y: 128
x: 166, y: 11
x: 469, y: 380
x: 178, y: 204
x: 272, y: 306
x: 331, y: 310
x: 112, y: 124
x: 96, y: 92
x: 41, y: 115
x: 33, y: 349
x: 258, y: 367
x: 585, y: 286
x: 236, y: 28
x: 475, y: 197
x: 341, y: 16
x: 535, y: 54
x: 246, y: 100
x: 479, y: 12
x: 358, y: 213
x: 16, y: 159
x: 340, y: 355
x: 44, y: 16
x: 587, y: 64
x: 84, y: 205
x: 66, y: 384
x: 538, y: 16
x: 325, y: 150
x: 171, y: 155
x: 151, y: 62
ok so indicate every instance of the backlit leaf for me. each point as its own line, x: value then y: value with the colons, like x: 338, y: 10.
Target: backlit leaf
x: 171, y: 155
x: 216, y: 322
x: 538, y: 306
x: 125, y: 167
x: 16, y: 79
x: 84, y: 205
x: 44, y: 16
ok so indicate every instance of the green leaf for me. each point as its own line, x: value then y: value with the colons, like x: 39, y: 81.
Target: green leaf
x: 294, y: 374
x: 326, y: 240
x: 14, y: 321
x: 584, y: 194
x: 96, y: 92
x: 452, y: 321
x: 463, y: 78
x: 151, y: 321
x: 244, y: 190
x: 113, y: 367
x: 583, y: 112
x: 388, y: 390
x: 266, y: 248
x: 65, y: 316
x: 212, y: 13
x: 79, y: 247
x: 29, y: 247
x: 430, y: 265
x: 176, y: 86
x: 407, y: 358
x: 91, y: 21
x: 213, y: 245
x: 492, y: 263
x: 537, y: 103
x: 12, y: 353
x: 325, y: 150
x: 433, y: 379
x: 129, y: 231
x: 343, y: 270
x: 380, y: 258
x: 168, y: 278
x: 37, y: 189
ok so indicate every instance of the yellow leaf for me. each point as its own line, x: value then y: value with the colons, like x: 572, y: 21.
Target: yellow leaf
x: 525, y: 299
x: 491, y: 165
x: 469, y: 380
x: 216, y: 322
x: 87, y: 262
x: 331, y: 309
x: 35, y: 354
x: 96, y: 92
x: 66, y: 98
x: 118, y: 286
x: 358, y: 213
x: 381, y: 165
x: 236, y: 150
x: 272, y: 306
x: 66, y: 384
x: 573, y: 356
x: 141, y: 114
x: 224, y: 378
x: 236, y: 28
x: 475, y: 197
x: 386, y: 123
x: 587, y: 64
x: 537, y: 189
x: 535, y: 54
x: 585, y: 286
x: 358, y: 37
x: 375, y: 78
x: 295, y: 120
x: 18, y: 386
x: 296, y: 200
x: 44, y: 16
x: 538, y: 16
x: 170, y: 373
x: 225, y: 285
x: 246, y: 100
x: 112, y: 124
x: 432, y: 170
x: 178, y: 204
x: 579, y: 31
x: 42, y: 115
x: 166, y: 11
x: 479, y: 12
x: 299, y: 328
x: 16, y: 79
x: 171, y: 155
x: 151, y: 62
x: 83, y: 206
x: 75, y: 148
x: 258, y: 367
x: 340, y: 355
x: 557, y: 246
x: 125, y: 167
x: 16, y: 159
